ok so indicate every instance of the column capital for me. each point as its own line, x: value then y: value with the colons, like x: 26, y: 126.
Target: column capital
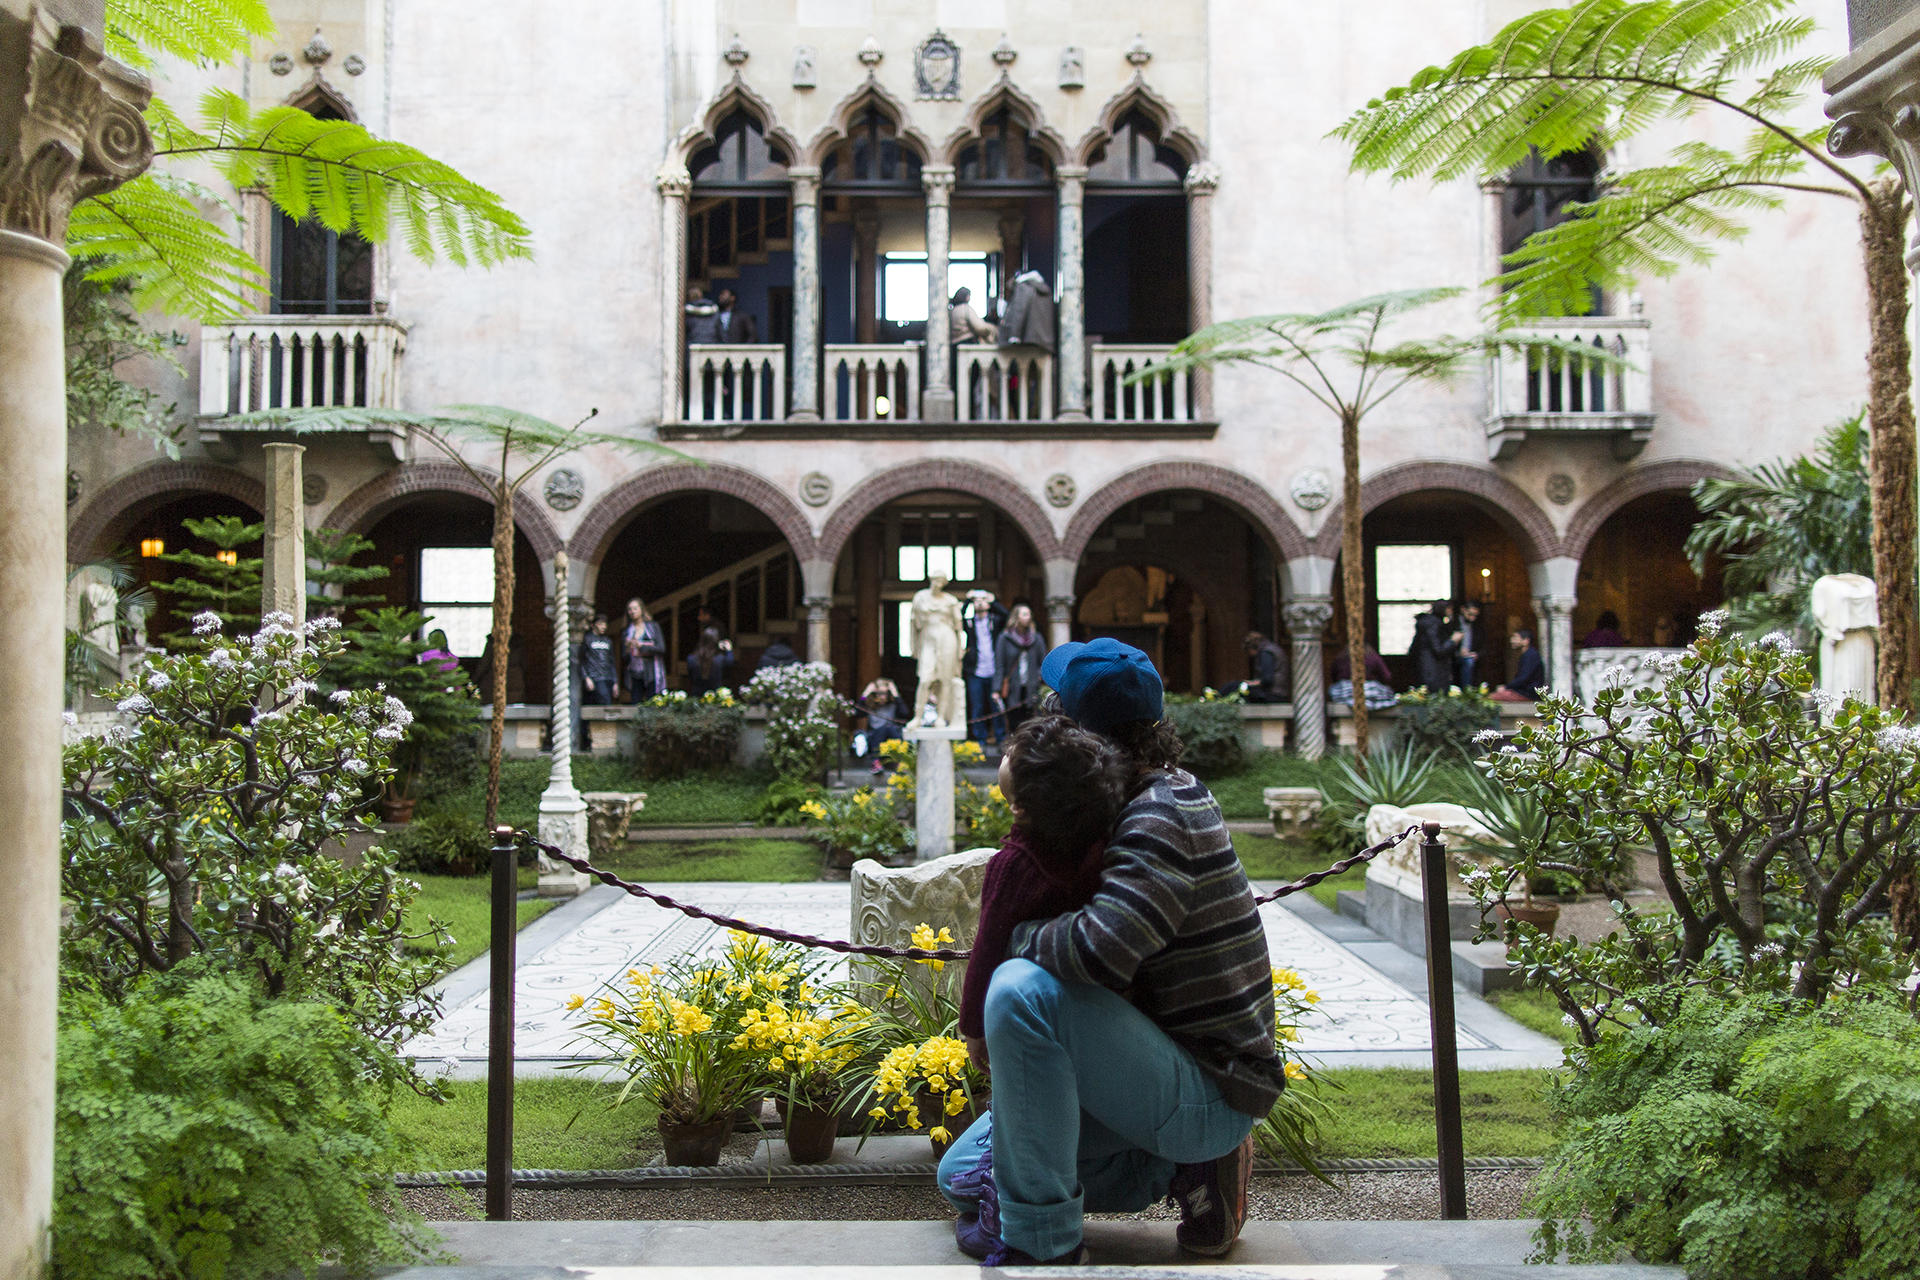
x: 937, y: 181
x: 79, y: 130
x: 675, y: 183
x: 1061, y: 603
x: 819, y: 608
x: 1560, y: 605
x: 1307, y: 618
x: 1203, y: 178
x: 805, y: 180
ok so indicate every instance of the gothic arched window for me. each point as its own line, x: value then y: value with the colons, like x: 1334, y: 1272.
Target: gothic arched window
x: 739, y: 156
x: 872, y: 156
x: 1005, y: 156
x: 316, y: 271
x: 1136, y: 157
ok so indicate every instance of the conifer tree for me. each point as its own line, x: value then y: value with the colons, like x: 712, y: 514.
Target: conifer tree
x: 226, y: 582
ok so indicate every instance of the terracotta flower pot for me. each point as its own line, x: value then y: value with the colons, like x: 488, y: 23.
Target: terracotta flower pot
x: 1543, y: 916
x: 695, y: 1144
x: 810, y: 1134
x: 396, y: 809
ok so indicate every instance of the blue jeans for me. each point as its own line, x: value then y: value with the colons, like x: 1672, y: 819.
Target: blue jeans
x: 1093, y: 1106
x: 983, y: 723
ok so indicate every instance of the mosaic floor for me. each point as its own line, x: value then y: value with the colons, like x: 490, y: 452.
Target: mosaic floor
x: 1365, y: 1010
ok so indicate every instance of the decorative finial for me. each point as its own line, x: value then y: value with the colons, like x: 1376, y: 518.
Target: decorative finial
x: 870, y: 52
x: 1004, y: 54
x: 1137, y: 52
x: 736, y: 51
x: 318, y: 50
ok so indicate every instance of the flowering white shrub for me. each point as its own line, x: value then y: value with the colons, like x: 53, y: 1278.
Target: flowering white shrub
x: 803, y: 716
x: 201, y: 831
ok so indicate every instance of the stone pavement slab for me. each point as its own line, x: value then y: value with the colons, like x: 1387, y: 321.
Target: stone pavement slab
x: 1372, y: 993
x: 1489, y: 1249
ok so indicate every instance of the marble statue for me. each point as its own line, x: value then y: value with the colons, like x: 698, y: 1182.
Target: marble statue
x: 937, y: 633
x: 1846, y: 608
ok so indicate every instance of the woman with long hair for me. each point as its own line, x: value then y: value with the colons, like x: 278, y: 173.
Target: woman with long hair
x: 644, y: 648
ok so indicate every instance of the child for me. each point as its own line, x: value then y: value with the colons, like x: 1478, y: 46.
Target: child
x: 1066, y: 786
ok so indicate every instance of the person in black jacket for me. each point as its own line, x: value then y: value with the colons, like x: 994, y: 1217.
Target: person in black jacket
x: 1016, y: 659
x: 598, y: 671
x: 709, y: 665
x: 986, y: 619
x: 1272, y: 674
x: 778, y: 653
x: 1434, y: 645
x: 1530, y: 678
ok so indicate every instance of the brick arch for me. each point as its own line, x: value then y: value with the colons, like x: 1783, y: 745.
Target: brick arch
x: 604, y: 521
x: 1001, y: 490
x: 1487, y: 489
x: 382, y: 494
x: 1248, y: 497
x: 1658, y: 477
x: 108, y: 514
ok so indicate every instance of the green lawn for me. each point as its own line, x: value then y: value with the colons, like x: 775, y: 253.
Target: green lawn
x: 463, y: 904
x: 722, y: 797
x: 770, y: 861
x: 719, y: 797
x: 1268, y: 858
x: 558, y: 1123
x: 1535, y: 1010
x: 1239, y: 793
x: 566, y: 1123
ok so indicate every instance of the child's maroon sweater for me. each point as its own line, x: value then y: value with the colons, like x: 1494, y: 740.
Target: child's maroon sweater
x: 1021, y: 885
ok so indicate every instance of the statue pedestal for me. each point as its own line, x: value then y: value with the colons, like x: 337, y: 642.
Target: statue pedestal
x: 563, y: 824
x: 933, y: 788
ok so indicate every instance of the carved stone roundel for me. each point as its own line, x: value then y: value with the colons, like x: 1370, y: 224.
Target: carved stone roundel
x: 1311, y: 490
x: 1560, y: 488
x: 281, y: 64
x: 1061, y: 490
x: 313, y: 488
x: 816, y: 488
x: 565, y: 488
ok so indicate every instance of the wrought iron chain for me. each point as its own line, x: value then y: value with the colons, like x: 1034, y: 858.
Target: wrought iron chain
x: 875, y: 949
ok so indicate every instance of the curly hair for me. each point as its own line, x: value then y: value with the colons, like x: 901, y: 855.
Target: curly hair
x: 1150, y: 746
x: 1068, y: 783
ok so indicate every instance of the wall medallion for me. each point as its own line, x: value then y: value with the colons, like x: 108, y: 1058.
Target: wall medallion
x: 313, y: 488
x: 1560, y: 488
x: 1061, y: 490
x: 816, y: 488
x: 1311, y: 490
x: 565, y: 488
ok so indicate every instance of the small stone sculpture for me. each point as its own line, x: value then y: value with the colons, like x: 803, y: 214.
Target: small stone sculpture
x: 937, y: 633
x: 1846, y: 607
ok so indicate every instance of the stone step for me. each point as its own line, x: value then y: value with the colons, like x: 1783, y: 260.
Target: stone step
x: 1492, y: 1249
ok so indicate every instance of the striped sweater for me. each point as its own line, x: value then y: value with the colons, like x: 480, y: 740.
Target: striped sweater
x: 1173, y: 927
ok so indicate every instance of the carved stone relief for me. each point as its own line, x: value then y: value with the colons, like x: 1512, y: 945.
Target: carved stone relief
x: 1311, y: 490
x: 945, y: 893
x: 313, y: 488
x: 1560, y: 488
x: 1073, y: 67
x: 565, y: 488
x: 805, y: 76
x: 936, y: 68
x: 816, y: 488
x: 1061, y: 490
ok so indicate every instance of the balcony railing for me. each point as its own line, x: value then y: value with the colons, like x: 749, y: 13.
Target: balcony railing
x: 861, y: 376
x: 729, y: 383
x: 1003, y: 384
x: 1163, y: 397
x: 300, y: 362
x: 1540, y: 391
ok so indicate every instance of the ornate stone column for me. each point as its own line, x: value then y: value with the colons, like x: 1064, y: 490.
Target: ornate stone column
x: 1073, y: 292
x: 819, y: 630
x: 674, y: 186
x: 1556, y: 621
x: 1873, y: 94
x: 70, y: 127
x: 1203, y: 179
x: 1059, y: 578
x: 937, y: 396
x: 563, y: 813
x: 803, y: 402
x: 1306, y: 618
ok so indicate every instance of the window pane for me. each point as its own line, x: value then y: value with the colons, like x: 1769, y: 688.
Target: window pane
x: 963, y: 565
x: 303, y: 263
x: 904, y: 612
x: 1421, y: 572
x: 913, y: 564
x: 905, y: 285
x: 940, y: 562
x: 1396, y: 627
x: 353, y: 285
x: 965, y: 273
x: 456, y: 575
x: 467, y: 628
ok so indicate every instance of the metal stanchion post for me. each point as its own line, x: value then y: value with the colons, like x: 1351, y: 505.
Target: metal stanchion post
x: 506, y: 892
x: 1446, y: 1048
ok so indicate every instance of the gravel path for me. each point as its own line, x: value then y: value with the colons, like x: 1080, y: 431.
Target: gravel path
x: 1360, y: 1196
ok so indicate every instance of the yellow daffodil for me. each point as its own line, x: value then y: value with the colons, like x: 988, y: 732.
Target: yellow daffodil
x: 574, y: 1002
x: 1295, y: 1071
x: 940, y: 1133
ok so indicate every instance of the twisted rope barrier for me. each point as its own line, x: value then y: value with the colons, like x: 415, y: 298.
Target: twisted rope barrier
x: 876, y: 949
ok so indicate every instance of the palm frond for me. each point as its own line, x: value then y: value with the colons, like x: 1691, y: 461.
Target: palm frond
x: 202, y: 32
x: 1556, y: 80
x: 154, y: 234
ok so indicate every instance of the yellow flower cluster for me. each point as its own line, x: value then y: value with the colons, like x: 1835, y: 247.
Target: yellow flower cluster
x: 936, y: 1071
x: 968, y: 752
x: 1285, y: 980
x: 927, y: 940
x: 896, y: 749
x: 815, y: 810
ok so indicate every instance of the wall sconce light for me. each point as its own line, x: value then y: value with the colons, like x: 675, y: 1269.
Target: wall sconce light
x: 150, y: 548
x: 882, y: 406
x: 1486, y: 584
x: 227, y: 557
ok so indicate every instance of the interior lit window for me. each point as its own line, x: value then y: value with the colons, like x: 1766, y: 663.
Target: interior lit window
x: 903, y: 284
x: 918, y: 563
x: 456, y: 594
x: 1408, y: 578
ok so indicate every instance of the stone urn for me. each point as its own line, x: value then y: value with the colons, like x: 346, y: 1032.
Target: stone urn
x: 609, y: 813
x: 1292, y: 809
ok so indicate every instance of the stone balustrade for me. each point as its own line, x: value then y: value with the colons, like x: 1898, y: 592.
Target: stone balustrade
x: 736, y: 382
x: 1163, y: 397
x: 1538, y: 391
x: 872, y: 381
x: 300, y: 362
x: 1003, y: 384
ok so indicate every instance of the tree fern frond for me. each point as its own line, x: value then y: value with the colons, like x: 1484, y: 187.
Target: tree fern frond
x: 202, y: 32
x: 151, y: 233
x: 337, y: 172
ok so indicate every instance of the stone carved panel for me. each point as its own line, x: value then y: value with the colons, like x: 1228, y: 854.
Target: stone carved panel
x: 1399, y: 867
x: 936, y: 69
x: 1061, y: 490
x: 1311, y: 489
x: 1560, y: 488
x: 609, y: 813
x: 944, y: 892
x: 1073, y: 67
x: 816, y: 488
x: 1292, y: 809
x: 805, y: 75
x: 313, y: 488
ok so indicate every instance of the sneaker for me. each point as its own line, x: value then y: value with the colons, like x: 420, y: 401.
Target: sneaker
x: 1213, y: 1200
